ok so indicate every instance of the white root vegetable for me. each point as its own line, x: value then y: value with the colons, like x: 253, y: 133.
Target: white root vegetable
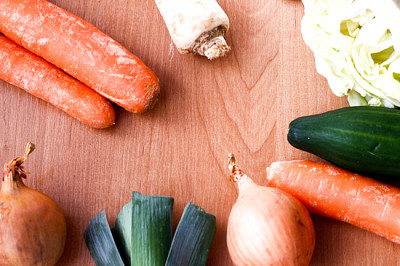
x: 196, y: 26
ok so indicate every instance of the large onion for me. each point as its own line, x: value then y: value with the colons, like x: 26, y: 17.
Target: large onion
x: 32, y: 226
x: 267, y: 226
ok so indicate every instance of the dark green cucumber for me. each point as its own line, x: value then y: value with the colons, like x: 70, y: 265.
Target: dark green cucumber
x: 361, y: 139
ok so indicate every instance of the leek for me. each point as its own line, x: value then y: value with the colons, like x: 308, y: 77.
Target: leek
x: 100, y: 242
x: 151, y: 229
x: 193, y: 237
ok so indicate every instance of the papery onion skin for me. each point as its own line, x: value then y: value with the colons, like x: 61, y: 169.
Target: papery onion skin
x: 269, y: 227
x: 32, y: 226
x: 32, y: 229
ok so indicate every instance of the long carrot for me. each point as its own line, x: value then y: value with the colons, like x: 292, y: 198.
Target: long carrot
x: 41, y: 79
x: 336, y: 193
x: 81, y: 50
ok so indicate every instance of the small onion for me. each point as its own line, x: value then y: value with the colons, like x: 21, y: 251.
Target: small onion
x: 32, y: 226
x: 267, y: 226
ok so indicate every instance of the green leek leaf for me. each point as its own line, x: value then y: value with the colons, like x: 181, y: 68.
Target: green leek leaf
x: 151, y: 229
x: 193, y: 237
x: 100, y: 242
x: 122, y: 231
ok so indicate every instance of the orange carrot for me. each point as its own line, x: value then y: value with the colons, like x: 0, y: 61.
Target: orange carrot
x: 41, y: 79
x: 81, y: 50
x: 339, y: 194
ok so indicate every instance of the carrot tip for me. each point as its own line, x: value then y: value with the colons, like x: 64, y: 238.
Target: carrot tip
x: 154, y: 101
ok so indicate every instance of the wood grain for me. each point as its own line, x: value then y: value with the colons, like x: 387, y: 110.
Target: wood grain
x: 242, y: 103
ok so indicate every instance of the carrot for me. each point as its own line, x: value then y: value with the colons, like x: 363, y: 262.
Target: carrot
x: 81, y: 50
x: 339, y: 194
x: 41, y: 79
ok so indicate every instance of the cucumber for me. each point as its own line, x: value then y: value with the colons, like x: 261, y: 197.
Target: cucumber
x: 362, y: 139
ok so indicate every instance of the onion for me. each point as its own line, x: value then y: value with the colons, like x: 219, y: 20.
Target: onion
x: 32, y: 226
x: 267, y: 226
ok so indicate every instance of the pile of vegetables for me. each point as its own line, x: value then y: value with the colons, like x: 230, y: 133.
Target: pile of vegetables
x: 142, y: 234
x: 330, y: 191
x: 42, y: 30
x: 43, y: 80
x: 32, y: 226
x: 71, y: 64
x: 267, y: 225
x: 362, y: 139
x: 77, y: 68
x: 356, y: 44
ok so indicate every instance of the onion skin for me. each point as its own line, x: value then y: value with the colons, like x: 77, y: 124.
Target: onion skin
x: 32, y: 226
x: 267, y: 226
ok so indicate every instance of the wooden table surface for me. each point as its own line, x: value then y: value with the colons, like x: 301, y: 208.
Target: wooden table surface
x: 242, y: 103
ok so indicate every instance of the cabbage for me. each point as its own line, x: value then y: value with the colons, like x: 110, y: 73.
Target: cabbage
x: 356, y: 44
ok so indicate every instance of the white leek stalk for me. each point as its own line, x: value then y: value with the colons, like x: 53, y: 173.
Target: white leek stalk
x: 196, y: 26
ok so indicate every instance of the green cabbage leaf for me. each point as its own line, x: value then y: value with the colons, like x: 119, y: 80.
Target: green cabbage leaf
x: 356, y: 45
